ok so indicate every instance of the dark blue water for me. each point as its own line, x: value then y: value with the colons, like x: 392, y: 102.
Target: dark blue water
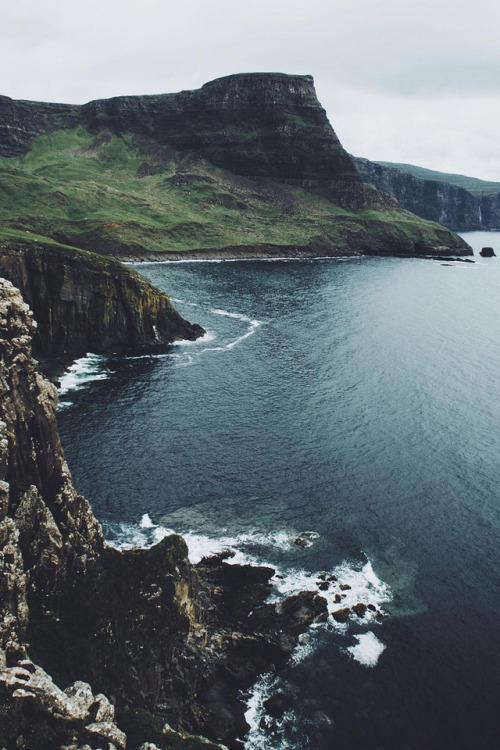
x: 359, y: 399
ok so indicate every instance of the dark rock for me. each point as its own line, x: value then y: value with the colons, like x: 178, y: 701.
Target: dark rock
x: 278, y: 704
x: 267, y: 125
x: 306, y: 539
x: 372, y: 608
x: 487, y: 252
x: 360, y: 609
x: 344, y: 587
x: 269, y: 725
x: 323, y: 585
x: 448, y: 204
x: 85, y: 303
x: 143, y: 626
x: 341, y: 615
x: 268, y: 128
x: 338, y: 598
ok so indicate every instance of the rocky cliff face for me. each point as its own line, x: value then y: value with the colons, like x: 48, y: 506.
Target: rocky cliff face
x: 451, y: 206
x: 257, y: 125
x: 169, y: 643
x: 86, y: 303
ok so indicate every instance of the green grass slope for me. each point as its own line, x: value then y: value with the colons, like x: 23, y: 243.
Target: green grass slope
x: 472, y: 184
x: 116, y: 196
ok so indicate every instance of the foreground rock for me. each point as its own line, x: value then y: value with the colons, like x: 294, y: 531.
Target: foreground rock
x: 166, y: 642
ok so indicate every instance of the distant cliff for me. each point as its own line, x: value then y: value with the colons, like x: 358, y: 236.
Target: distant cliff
x: 86, y: 303
x: 450, y: 205
x: 256, y: 125
x: 247, y: 164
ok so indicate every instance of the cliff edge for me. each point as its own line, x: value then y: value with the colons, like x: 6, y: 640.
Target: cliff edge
x: 102, y: 648
x: 247, y: 164
x: 83, y: 302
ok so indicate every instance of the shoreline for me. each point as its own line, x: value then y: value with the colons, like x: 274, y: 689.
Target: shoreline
x: 222, y: 256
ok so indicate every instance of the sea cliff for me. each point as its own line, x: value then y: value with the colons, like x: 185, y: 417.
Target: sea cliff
x: 84, y: 302
x: 440, y: 201
x: 248, y: 163
x: 107, y: 648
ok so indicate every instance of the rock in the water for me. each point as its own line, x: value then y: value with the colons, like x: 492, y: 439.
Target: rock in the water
x: 360, y: 609
x: 306, y: 539
x: 341, y: 615
x: 487, y: 252
x: 278, y: 704
x: 345, y: 587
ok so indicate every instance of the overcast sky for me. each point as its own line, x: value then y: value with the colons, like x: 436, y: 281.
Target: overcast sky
x: 409, y: 81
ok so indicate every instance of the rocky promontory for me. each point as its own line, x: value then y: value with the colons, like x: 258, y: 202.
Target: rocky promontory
x: 248, y: 163
x: 103, y: 648
x: 267, y: 125
x: 84, y: 302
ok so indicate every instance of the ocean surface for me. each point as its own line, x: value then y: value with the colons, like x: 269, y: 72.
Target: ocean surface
x: 355, y: 399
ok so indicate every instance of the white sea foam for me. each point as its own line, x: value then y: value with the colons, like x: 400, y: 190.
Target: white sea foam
x: 208, y: 336
x: 146, y: 522
x: 82, y: 372
x: 252, y: 327
x: 365, y: 587
x: 368, y: 650
x: 249, y: 259
x: 183, y: 302
x: 200, y: 545
x: 249, y: 549
x: 257, y: 738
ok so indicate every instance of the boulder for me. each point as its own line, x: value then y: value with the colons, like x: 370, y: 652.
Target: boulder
x: 487, y: 252
x: 341, y: 615
x: 360, y: 609
x: 278, y: 704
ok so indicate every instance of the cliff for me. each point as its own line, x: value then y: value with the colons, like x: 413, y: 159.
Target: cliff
x: 247, y: 161
x: 170, y: 644
x: 87, y: 303
x: 255, y: 125
x: 450, y: 205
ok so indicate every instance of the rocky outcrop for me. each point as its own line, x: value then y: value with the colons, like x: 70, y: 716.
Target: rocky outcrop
x: 266, y: 125
x: 165, y: 641
x: 449, y: 205
x: 487, y: 252
x: 83, y: 303
x: 21, y: 121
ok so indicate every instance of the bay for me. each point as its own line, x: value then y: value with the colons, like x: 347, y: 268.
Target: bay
x: 358, y: 399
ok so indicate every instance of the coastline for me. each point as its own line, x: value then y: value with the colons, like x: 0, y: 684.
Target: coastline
x: 275, y: 252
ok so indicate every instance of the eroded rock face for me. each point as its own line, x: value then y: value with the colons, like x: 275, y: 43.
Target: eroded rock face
x: 253, y: 124
x: 85, y: 303
x: 449, y: 205
x: 166, y: 642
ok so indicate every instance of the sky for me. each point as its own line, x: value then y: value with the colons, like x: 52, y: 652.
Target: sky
x: 412, y: 81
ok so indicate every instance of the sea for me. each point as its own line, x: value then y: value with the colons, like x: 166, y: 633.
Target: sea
x: 351, y: 405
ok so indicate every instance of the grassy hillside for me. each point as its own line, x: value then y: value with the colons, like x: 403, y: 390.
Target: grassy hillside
x: 114, y: 195
x: 472, y: 184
